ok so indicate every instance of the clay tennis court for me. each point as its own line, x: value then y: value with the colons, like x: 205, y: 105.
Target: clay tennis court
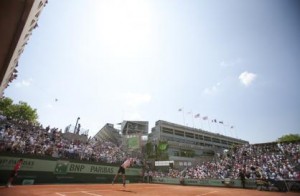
x: 131, y: 189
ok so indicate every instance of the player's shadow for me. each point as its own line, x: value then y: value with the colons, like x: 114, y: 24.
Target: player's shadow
x: 128, y: 191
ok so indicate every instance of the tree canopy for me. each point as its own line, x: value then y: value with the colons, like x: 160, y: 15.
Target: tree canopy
x: 157, y: 151
x: 21, y: 111
x: 289, y: 138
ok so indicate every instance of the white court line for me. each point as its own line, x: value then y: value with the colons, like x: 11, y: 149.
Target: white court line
x: 103, y: 190
x: 85, y: 192
x: 208, y: 193
x: 60, y: 194
x: 81, y: 191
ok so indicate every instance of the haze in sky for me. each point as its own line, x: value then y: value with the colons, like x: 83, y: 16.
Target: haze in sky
x: 108, y: 61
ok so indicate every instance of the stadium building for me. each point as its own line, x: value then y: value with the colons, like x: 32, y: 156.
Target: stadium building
x: 134, y: 127
x: 133, y: 133
x: 186, y: 144
x: 129, y: 137
x: 109, y: 133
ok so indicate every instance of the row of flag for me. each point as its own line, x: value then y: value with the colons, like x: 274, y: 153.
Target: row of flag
x: 206, y: 118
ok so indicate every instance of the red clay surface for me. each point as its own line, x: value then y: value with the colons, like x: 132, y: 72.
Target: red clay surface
x: 131, y: 189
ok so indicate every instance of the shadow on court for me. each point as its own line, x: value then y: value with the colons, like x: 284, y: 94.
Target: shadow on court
x: 127, y: 191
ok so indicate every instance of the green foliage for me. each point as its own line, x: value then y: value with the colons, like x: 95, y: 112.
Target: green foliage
x: 289, y: 138
x: 6, y: 106
x: 133, y: 142
x: 162, y: 150
x: 149, y: 149
x: 21, y: 111
x: 163, y: 145
x: 157, y: 151
x: 187, y: 153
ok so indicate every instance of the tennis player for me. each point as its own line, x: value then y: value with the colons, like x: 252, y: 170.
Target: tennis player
x: 128, y: 163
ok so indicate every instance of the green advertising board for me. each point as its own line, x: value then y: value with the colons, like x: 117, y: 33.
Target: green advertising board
x: 62, y: 167
x: 46, y: 171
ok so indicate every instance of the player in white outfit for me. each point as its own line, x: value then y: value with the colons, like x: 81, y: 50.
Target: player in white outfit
x: 129, y: 162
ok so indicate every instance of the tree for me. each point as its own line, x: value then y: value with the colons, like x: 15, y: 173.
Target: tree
x: 158, y: 151
x: 289, y: 138
x: 21, y: 111
x: 162, y: 150
x: 149, y: 149
x: 6, y: 106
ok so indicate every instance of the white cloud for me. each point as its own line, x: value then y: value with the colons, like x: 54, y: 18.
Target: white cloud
x: 212, y: 90
x: 246, y: 78
x: 24, y: 83
x: 231, y: 63
x: 49, y: 106
x: 134, y: 115
x: 136, y: 99
x: 131, y: 103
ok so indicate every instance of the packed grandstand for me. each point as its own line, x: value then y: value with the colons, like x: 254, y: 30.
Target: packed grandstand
x: 270, y: 161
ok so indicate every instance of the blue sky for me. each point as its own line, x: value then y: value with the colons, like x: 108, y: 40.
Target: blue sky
x: 109, y: 61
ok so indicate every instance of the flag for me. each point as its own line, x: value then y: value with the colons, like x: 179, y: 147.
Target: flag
x: 180, y: 109
x: 221, y: 122
x: 197, y: 116
x: 205, y: 118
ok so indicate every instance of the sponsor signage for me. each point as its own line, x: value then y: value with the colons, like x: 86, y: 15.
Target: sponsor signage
x: 61, y: 167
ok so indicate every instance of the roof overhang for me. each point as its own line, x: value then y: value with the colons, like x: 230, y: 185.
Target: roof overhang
x: 17, y: 20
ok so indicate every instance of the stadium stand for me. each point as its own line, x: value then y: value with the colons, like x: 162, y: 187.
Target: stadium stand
x: 23, y: 138
x: 271, y: 165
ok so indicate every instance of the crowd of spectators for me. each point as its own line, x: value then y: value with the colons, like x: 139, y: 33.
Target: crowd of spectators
x: 26, y: 138
x: 273, y: 161
x: 268, y: 161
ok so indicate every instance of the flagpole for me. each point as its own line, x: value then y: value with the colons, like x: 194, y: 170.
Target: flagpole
x: 201, y: 123
x: 231, y: 131
x: 205, y: 118
x: 235, y: 132
x: 193, y: 119
x: 224, y: 129
x: 215, y: 128
x: 183, y: 117
x: 197, y: 116
x: 182, y: 110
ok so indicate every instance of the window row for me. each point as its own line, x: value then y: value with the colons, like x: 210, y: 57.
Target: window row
x: 195, y: 136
